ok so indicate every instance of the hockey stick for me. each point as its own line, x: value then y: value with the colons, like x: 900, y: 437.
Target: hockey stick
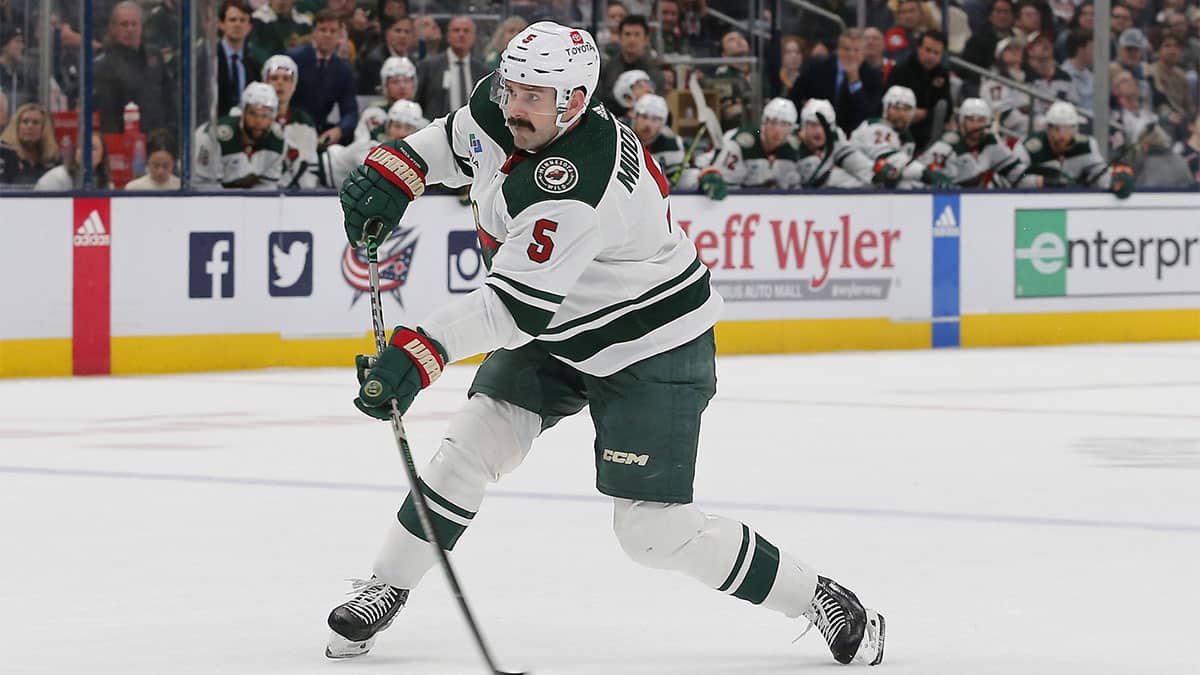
x: 373, y: 229
x: 687, y: 156
x: 709, y: 119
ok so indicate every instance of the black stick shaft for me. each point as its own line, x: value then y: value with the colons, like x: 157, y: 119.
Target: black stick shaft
x: 418, y: 496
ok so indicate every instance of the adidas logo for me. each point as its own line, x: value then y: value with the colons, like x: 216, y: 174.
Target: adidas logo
x: 92, y: 232
x: 946, y: 224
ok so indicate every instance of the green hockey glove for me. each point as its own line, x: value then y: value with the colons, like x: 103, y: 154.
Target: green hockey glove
x: 934, y: 177
x: 886, y: 173
x: 410, y: 362
x: 713, y: 184
x: 381, y: 188
x: 1122, y: 181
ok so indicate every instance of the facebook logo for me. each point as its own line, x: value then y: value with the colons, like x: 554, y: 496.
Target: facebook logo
x: 210, y: 265
x: 289, y: 263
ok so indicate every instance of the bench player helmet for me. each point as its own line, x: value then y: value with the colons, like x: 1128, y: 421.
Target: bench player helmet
x: 546, y: 54
x: 651, y: 105
x: 397, y: 66
x: 260, y: 94
x: 898, y: 95
x: 780, y: 109
x: 1062, y: 114
x: 407, y: 112
x: 974, y: 107
x: 813, y: 106
x: 281, y: 62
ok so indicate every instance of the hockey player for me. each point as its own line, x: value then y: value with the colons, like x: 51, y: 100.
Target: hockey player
x: 888, y: 143
x: 593, y: 298
x: 245, y: 151
x: 403, y: 118
x: 299, y: 131
x: 399, y: 78
x: 973, y: 156
x: 631, y: 86
x: 763, y: 157
x: 649, y: 123
x: 826, y: 158
x: 1062, y: 156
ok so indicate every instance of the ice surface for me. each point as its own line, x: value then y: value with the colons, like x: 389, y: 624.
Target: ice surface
x: 1010, y: 511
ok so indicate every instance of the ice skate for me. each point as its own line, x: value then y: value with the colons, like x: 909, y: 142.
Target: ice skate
x: 853, y: 632
x: 356, y: 622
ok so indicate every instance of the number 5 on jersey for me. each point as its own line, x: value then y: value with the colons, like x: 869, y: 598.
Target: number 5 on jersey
x: 542, y: 246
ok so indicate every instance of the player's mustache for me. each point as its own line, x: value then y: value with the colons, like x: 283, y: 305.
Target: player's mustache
x: 514, y: 122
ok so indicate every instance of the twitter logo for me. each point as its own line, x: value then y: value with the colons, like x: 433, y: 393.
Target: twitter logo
x: 290, y: 264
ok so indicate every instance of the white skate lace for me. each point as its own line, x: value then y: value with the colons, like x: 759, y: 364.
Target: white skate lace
x: 827, y: 614
x: 372, y: 599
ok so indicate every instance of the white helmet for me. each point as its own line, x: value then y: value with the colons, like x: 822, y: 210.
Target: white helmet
x: 260, y: 94
x: 898, y: 95
x: 280, y: 62
x: 818, y: 105
x: 974, y: 107
x: 1062, y: 114
x: 781, y: 109
x: 397, y: 66
x: 546, y: 54
x: 407, y: 112
x: 623, y: 88
x: 651, y: 105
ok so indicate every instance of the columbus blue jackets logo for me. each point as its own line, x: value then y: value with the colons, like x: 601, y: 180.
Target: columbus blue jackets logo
x: 395, y: 262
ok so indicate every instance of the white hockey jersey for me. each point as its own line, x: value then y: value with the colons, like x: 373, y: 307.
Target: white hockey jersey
x: 371, y: 118
x: 876, y: 139
x: 1081, y: 164
x: 300, y: 151
x: 1012, y: 108
x: 844, y: 167
x: 580, y: 247
x: 992, y: 164
x: 223, y: 160
x: 747, y: 163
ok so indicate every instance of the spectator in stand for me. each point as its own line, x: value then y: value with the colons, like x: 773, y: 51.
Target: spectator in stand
x: 1189, y: 149
x: 1044, y: 75
x: 236, y: 66
x: 674, y: 41
x: 791, y: 58
x: 634, y: 36
x: 69, y: 176
x: 929, y: 80
x: 3, y: 109
x: 278, y: 27
x: 1157, y: 166
x: 162, y: 29
x: 326, y: 80
x: 27, y: 146
x: 389, y: 11
x: 854, y: 88
x: 1028, y: 19
x: 128, y: 72
x: 1172, y: 99
x: 873, y: 52
x: 445, y: 81
x: 429, y: 36
x: 160, y: 165
x: 879, y: 15
x: 1176, y: 24
x: 733, y: 82
x: 1131, y: 53
x: 981, y: 48
x: 901, y: 39
x: 399, y: 40
x: 1084, y: 19
x: 506, y: 31
x: 15, y: 79
x: 1078, y: 67
x: 1130, y: 113
x: 1143, y: 13
x: 1121, y: 21
x: 609, y: 32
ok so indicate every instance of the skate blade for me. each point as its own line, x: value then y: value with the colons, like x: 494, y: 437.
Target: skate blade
x: 870, y: 651
x: 341, y: 648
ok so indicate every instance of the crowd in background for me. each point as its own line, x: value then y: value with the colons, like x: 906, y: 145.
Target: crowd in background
x: 350, y: 65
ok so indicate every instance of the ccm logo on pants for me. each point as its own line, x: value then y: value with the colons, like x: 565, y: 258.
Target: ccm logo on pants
x: 619, y: 457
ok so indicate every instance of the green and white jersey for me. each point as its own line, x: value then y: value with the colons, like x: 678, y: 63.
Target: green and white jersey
x: 667, y: 150
x: 1012, y: 108
x: 749, y: 164
x: 370, y: 119
x: 992, y: 164
x: 222, y: 159
x: 583, y: 255
x: 844, y: 167
x: 300, y: 151
x: 877, y: 139
x: 1081, y: 163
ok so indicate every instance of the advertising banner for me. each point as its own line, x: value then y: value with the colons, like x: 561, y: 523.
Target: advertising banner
x: 36, y: 259
x: 814, y: 256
